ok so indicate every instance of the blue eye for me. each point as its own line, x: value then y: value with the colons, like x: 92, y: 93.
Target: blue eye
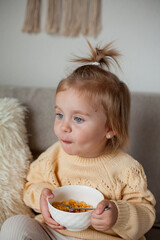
x: 59, y: 115
x: 78, y: 119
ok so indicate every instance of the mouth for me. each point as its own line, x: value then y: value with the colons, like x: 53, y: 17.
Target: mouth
x: 66, y: 141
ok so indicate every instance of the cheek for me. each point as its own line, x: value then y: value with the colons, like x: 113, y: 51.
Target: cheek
x: 84, y: 135
x: 93, y: 135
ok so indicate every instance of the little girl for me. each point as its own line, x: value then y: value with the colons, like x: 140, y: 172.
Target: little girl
x: 92, y: 115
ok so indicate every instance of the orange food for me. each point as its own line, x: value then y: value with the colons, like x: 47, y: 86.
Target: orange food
x: 71, y: 203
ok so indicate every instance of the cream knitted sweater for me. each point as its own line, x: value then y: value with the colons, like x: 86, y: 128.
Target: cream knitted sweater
x: 118, y: 176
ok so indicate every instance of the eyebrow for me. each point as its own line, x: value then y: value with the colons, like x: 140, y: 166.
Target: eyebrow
x: 74, y: 111
x: 80, y: 112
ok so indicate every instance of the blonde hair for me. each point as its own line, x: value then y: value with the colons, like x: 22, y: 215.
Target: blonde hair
x: 103, y: 88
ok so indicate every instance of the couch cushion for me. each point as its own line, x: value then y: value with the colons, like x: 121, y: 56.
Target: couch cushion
x: 145, y: 139
x: 40, y: 103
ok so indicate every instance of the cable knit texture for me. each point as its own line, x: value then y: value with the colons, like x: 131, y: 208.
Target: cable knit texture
x: 118, y: 176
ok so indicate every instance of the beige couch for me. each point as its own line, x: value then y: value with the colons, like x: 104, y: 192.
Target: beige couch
x: 144, y: 132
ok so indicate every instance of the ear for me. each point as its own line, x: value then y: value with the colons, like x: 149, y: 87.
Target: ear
x: 110, y: 134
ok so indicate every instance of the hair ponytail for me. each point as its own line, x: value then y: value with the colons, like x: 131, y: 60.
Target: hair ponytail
x: 104, y: 56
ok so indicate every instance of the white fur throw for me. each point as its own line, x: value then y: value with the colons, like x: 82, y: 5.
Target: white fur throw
x: 14, y: 158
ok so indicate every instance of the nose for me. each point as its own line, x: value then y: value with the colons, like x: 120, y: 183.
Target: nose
x: 66, y: 127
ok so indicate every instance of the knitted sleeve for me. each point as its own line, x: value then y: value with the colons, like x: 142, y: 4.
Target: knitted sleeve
x: 40, y: 175
x: 136, y: 212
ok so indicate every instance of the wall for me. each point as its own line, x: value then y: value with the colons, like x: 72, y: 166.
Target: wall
x: 42, y: 59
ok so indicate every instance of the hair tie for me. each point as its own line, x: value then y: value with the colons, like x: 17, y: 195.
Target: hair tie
x: 95, y: 63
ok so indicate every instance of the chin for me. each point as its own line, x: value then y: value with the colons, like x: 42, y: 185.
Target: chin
x: 68, y: 149
x: 69, y: 152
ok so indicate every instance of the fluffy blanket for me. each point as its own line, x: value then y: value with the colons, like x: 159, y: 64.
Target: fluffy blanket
x: 14, y: 158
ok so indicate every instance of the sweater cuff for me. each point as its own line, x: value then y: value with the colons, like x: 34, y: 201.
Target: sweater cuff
x: 123, y: 215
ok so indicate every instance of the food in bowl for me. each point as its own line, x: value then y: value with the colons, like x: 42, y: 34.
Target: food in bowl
x: 72, y: 203
x: 74, y: 221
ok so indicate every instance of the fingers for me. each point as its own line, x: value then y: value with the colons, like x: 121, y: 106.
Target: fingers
x: 101, y: 206
x: 47, y: 193
x: 99, y: 224
x: 103, y: 220
x: 97, y: 218
x: 56, y: 226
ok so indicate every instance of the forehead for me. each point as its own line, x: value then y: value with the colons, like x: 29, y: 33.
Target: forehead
x: 75, y: 99
x: 71, y: 96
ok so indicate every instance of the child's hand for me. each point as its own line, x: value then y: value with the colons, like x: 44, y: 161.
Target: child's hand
x: 103, y: 220
x: 47, y: 193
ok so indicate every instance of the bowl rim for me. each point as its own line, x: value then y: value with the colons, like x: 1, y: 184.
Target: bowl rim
x: 68, y: 186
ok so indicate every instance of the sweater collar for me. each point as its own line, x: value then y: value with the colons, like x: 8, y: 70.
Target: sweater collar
x: 86, y: 160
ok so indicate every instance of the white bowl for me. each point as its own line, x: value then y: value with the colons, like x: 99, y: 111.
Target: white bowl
x: 74, y: 221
